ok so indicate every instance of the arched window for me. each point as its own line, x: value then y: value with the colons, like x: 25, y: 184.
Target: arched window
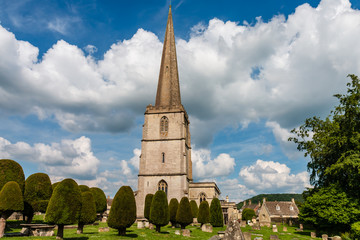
x: 164, y: 126
x: 202, y: 197
x: 163, y: 186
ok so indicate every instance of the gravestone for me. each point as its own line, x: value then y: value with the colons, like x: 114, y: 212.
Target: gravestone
x: 207, y: 228
x: 233, y: 231
x: 284, y: 229
x: 313, y: 234
x: 140, y: 225
x: 151, y: 226
x: 104, y: 229
x: 324, y: 237
x: 274, y: 237
x: 186, y: 232
x: 336, y: 238
x: 147, y: 224
x: 247, y: 235
x: 177, y: 232
x: 274, y: 228
x: 301, y: 227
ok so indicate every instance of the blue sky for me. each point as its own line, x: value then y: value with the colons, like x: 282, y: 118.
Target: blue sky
x: 76, y: 76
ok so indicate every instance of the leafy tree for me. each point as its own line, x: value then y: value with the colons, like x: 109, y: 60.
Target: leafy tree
x: 100, y: 200
x: 355, y: 229
x: 173, y: 207
x: 329, y: 208
x: 194, y: 208
x: 148, y: 200
x: 123, y: 210
x: 84, y: 188
x: 159, y: 210
x: 204, y: 213
x: 247, y: 214
x: 11, y: 171
x: 37, y: 194
x: 184, y: 215
x: 87, y: 212
x: 11, y: 200
x: 64, y: 205
x: 216, y: 216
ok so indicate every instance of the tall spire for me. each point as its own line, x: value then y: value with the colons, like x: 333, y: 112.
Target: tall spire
x: 168, y: 90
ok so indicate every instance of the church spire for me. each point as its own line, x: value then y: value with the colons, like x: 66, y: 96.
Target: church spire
x: 168, y: 90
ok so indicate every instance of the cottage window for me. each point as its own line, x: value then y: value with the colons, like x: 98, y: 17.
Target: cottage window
x: 291, y: 208
x: 162, y: 185
x: 277, y: 207
x: 164, y: 126
x: 202, y: 197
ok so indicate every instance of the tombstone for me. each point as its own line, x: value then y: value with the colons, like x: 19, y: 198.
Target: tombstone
x: 140, y: 224
x: 147, y: 224
x: 301, y: 227
x: 207, y: 228
x: 151, y: 226
x: 313, y: 234
x: 258, y: 238
x: 336, y: 238
x: 177, y: 232
x: 324, y: 237
x: 256, y: 227
x: 221, y: 234
x: 233, y: 231
x: 274, y: 237
x: 104, y: 229
x: 253, y: 220
x: 215, y: 237
x: 186, y: 232
x: 274, y: 228
x: 247, y: 235
x: 242, y: 224
x: 284, y: 229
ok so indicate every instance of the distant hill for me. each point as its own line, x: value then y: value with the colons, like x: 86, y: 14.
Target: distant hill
x: 273, y: 197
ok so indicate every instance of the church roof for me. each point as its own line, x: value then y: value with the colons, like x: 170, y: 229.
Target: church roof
x: 168, y: 90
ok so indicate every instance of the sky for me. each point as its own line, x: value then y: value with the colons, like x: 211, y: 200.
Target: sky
x: 76, y: 77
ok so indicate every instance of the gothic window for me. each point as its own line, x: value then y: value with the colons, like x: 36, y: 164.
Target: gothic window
x: 164, y: 126
x: 163, y: 157
x: 202, y: 197
x: 163, y: 186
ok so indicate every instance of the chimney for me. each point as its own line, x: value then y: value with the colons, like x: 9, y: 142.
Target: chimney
x: 249, y: 202
x: 264, y: 200
x: 259, y: 204
x: 293, y: 200
x: 227, y: 198
x: 245, y: 203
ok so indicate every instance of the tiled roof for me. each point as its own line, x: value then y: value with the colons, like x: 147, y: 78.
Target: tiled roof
x: 282, y: 208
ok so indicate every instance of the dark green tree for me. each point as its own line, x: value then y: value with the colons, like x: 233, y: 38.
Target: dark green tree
x: 84, y: 188
x: 148, y: 200
x: 204, y: 213
x: 87, y: 212
x: 123, y: 210
x: 194, y: 208
x: 11, y: 200
x: 54, y: 185
x: 64, y: 205
x: 247, y: 214
x: 159, y: 210
x: 216, y: 216
x: 100, y: 200
x: 183, y: 215
x: 37, y: 194
x: 11, y: 171
x: 173, y: 207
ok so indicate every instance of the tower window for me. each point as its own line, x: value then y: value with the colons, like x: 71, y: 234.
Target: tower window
x: 163, y: 157
x: 162, y: 185
x: 202, y: 197
x: 164, y: 126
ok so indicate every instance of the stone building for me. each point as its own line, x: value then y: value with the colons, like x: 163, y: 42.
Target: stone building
x: 282, y: 212
x: 253, y: 206
x: 165, y: 160
x: 229, y: 210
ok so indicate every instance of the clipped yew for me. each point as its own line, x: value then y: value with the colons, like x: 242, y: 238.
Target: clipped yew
x: 84, y: 188
x: 173, y: 207
x: 64, y: 205
x: 216, y: 216
x: 148, y: 200
x: 11, y: 200
x: 87, y: 212
x: 100, y: 200
x: 11, y: 171
x: 123, y: 210
x: 54, y: 185
x: 194, y: 208
x: 204, y: 213
x: 159, y: 210
x: 37, y: 194
x: 183, y: 214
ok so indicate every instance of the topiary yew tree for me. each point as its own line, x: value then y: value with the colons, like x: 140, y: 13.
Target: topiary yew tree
x: 247, y: 214
x: 100, y: 200
x: 11, y: 200
x: 64, y: 205
x: 216, y: 216
x: 204, y: 213
x: 123, y: 210
x: 37, y: 194
x: 84, y: 188
x: 148, y: 200
x: 159, y: 210
x: 173, y: 207
x: 11, y: 171
x: 183, y: 215
x: 194, y: 208
x: 87, y: 212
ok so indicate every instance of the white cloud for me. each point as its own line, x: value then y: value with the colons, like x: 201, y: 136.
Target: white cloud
x: 236, y: 191
x: 272, y: 176
x: 205, y: 167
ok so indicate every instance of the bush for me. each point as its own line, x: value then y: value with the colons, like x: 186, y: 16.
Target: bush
x: 247, y: 214
x: 11, y: 171
x: 64, y: 205
x: 159, y: 210
x: 355, y: 229
x: 183, y: 215
x: 88, y: 210
x: 204, y: 213
x: 173, y: 207
x: 100, y: 199
x: 148, y: 200
x: 194, y: 208
x: 84, y: 188
x: 216, y: 216
x: 123, y: 210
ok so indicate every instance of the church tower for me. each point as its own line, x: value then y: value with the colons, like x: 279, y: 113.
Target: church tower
x: 165, y: 161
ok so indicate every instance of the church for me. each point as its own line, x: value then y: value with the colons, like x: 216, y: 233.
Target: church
x: 165, y: 160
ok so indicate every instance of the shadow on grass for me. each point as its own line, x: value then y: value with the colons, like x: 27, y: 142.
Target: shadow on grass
x: 76, y: 238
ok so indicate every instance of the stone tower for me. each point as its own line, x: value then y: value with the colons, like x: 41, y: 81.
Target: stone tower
x: 165, y: 161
